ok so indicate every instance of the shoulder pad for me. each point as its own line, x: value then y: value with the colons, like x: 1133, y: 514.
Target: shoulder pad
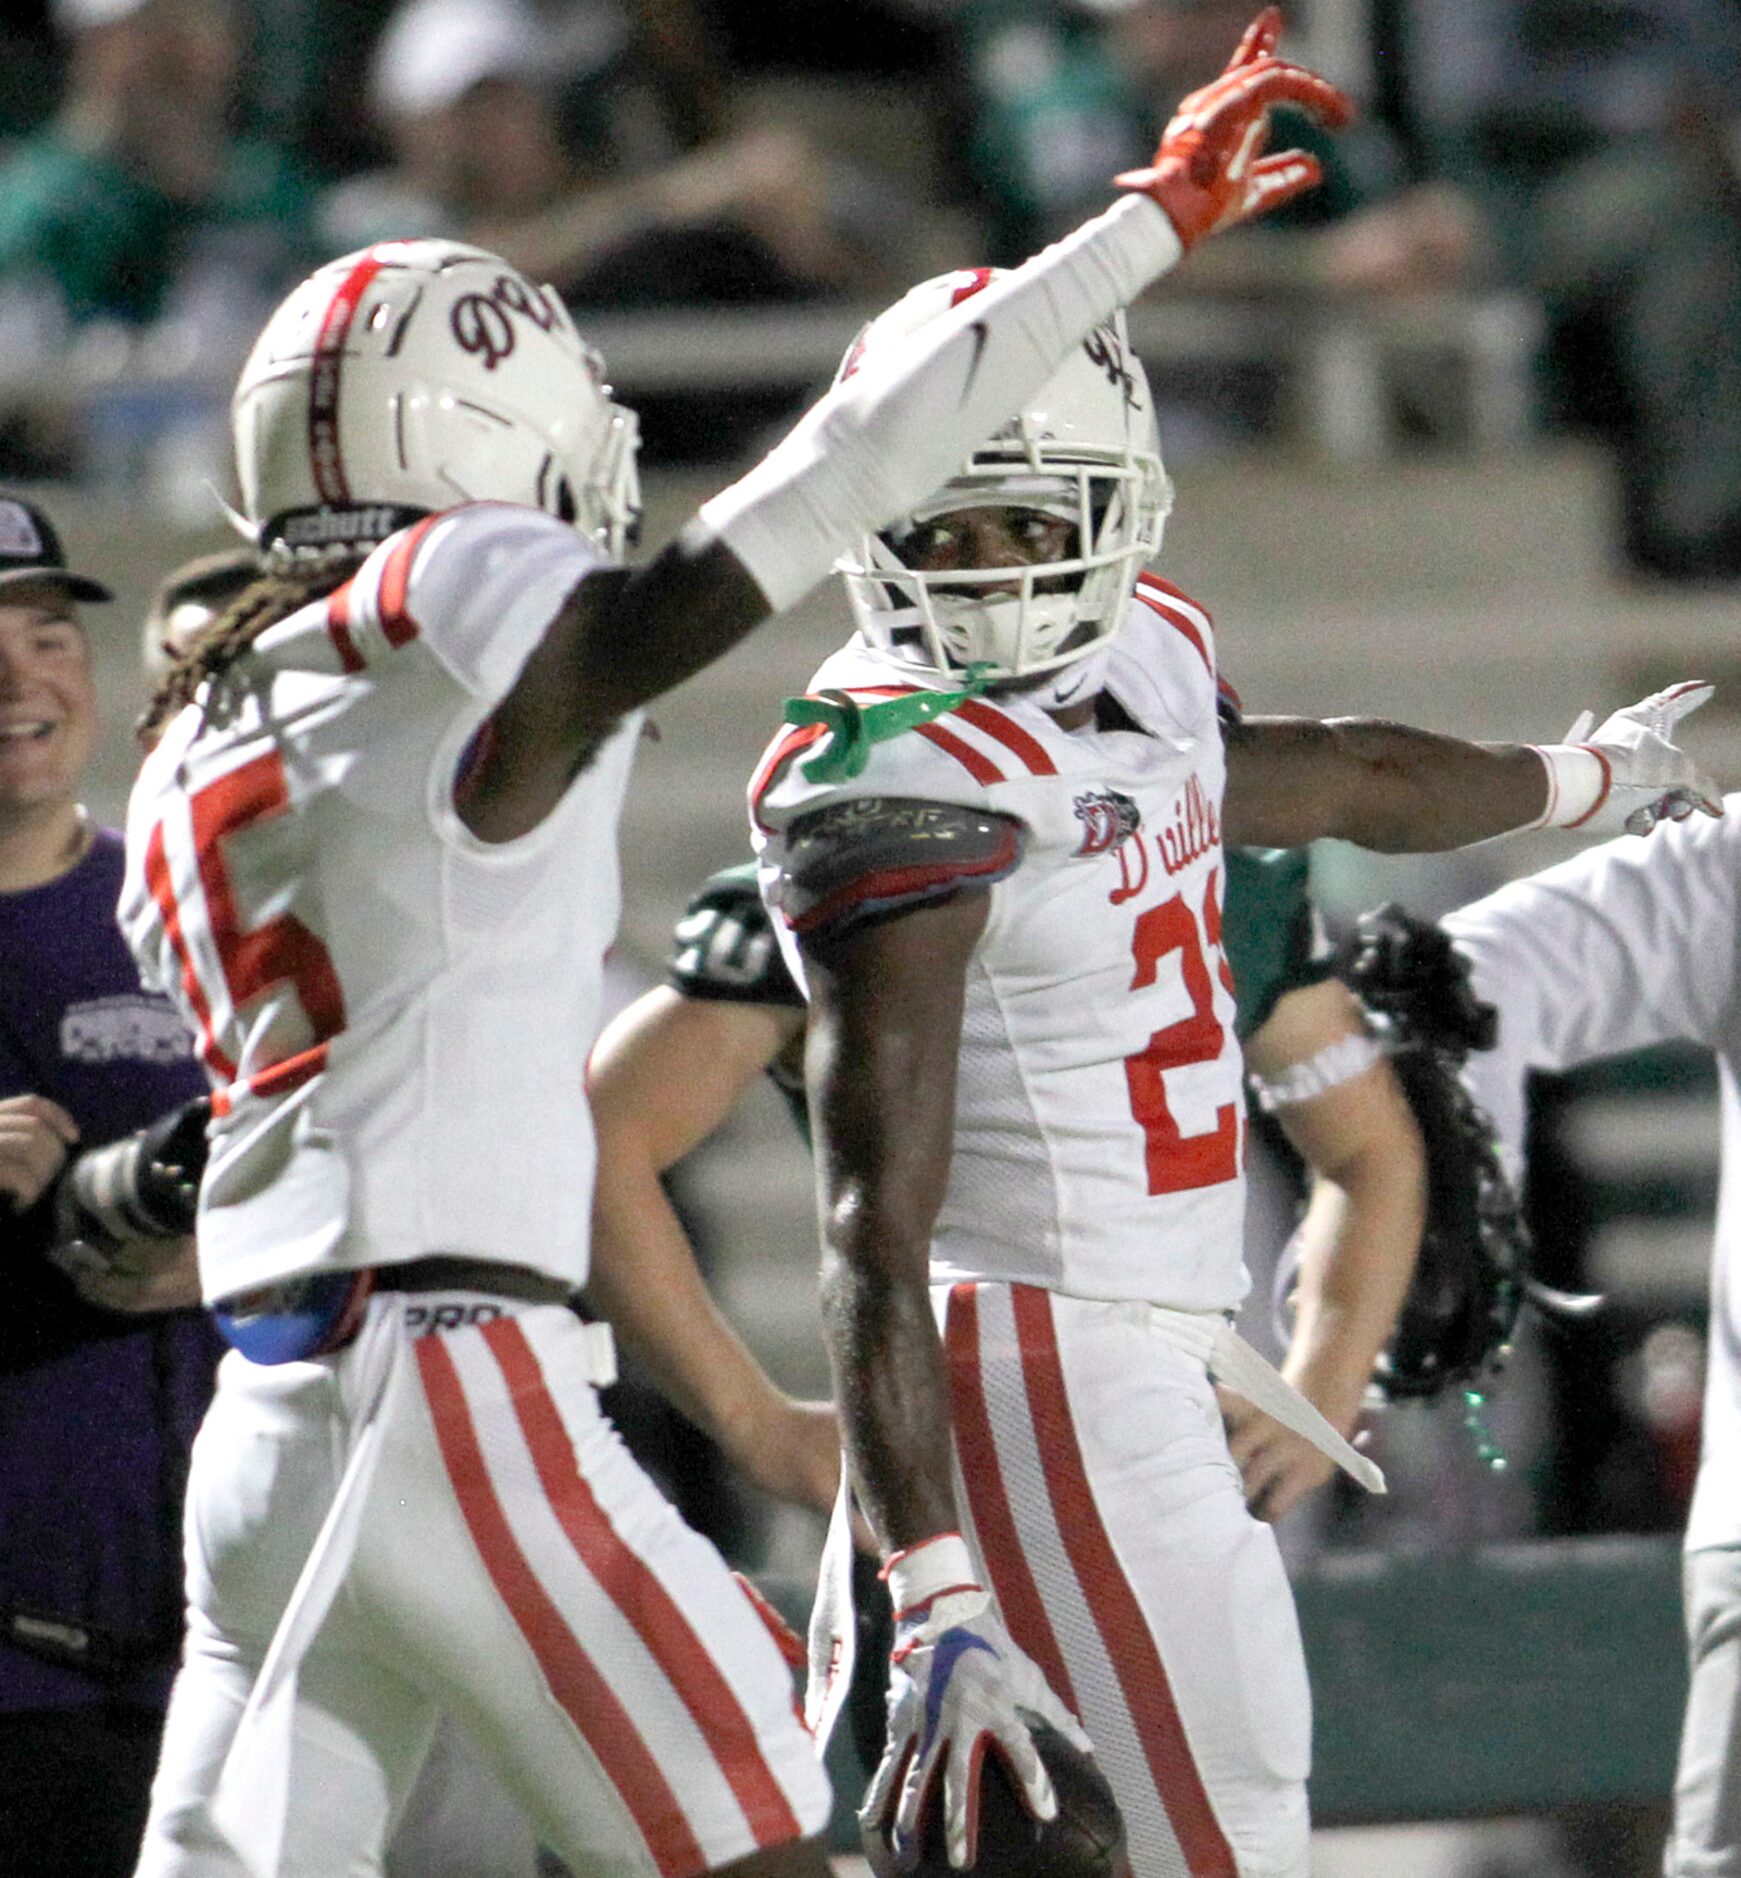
x: 725, y: 948
x: 848, y: 861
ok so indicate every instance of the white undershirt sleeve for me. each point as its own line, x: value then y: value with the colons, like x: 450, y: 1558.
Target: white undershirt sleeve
x: 1628, y: 944
x: 884, y: 438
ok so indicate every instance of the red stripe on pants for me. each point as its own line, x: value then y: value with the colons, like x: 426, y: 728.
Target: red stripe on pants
x: 993, y: 1520
x: 1117, y: 1613
x: 646, y: 1605
x: 573, y: 1678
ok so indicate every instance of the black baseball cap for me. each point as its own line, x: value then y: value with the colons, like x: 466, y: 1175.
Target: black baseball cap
x: 30, y: 553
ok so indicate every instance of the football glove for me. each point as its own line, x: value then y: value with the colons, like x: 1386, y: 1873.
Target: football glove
x: 1210, y: 171
x: 1627, y: 773
x: 958, y: 1685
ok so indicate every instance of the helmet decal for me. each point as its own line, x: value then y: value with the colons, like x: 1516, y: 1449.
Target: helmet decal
x: 481, y: 321
x: 417, y: 375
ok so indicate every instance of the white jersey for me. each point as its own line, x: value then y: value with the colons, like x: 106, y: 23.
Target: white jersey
x: 1629, y: 944
x: 1099, y: 1122
x: 394, y: 1014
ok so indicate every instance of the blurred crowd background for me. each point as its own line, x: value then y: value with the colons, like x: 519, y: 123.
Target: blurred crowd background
x: 1457, y: 440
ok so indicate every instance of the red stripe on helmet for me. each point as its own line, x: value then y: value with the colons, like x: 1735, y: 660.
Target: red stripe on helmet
x: 325, y: 453
x: 979, y: 279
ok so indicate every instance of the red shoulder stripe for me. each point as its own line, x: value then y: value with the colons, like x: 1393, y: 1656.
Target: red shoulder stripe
x: 994, y: 723
x: 1165, y: 588
x: 981, y: 768
x: 396, y: 623
x: 983, y: 717
x: 783, y: 749
x: 338, y: 629
x: 1165, y: 604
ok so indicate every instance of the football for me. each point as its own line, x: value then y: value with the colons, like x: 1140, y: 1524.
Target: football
x: 1084, y: 1840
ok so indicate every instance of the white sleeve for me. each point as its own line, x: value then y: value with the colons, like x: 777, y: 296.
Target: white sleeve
x: 477, y: 585
x: 1627, y: 944
x: 884, y: 438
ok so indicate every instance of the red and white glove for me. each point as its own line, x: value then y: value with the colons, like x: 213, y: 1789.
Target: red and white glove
x: 1628, y: 773
x: 1210, y: 170
x: 958, y: 1684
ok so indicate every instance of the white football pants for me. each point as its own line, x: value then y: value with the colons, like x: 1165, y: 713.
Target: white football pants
x: 1706, y: 1839
x: 1110, y: 1517
x: 514, y: 1569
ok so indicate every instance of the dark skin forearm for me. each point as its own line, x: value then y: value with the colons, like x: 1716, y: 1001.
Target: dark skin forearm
x: 884, y: 1037
x: 1384, y: 786
x: 621, y: 639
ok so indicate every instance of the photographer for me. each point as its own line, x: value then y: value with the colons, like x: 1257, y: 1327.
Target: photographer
x: 103, y: 1379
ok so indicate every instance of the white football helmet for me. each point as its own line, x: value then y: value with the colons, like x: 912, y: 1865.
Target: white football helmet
x: 1084, y: 448
x: 417, y: 375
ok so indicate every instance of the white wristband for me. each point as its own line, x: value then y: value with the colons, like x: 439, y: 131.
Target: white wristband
x: 1579, y: 780
x: 1335, y: 1064
x: 885, y: 438
x: 931, y: 1569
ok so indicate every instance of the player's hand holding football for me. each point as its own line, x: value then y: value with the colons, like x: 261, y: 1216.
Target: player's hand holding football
x: 1628, y: 773
x: 1210, y: 171
x: 957, y: 1685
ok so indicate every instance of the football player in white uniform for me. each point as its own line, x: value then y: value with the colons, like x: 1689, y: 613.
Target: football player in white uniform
x: 993, y: 835
x: 373, y: 854
x: 1626, y: 945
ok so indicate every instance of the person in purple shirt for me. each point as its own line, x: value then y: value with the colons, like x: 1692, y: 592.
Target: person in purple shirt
x: 104, y: 1373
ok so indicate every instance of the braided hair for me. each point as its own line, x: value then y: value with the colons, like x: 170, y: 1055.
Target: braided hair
x: 285, y: 585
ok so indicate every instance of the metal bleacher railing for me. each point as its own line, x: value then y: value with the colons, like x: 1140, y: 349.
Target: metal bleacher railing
x: 121, y: 407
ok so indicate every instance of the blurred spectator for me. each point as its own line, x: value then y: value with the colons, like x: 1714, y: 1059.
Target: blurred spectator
x: 27, y: 67
x: 137, y: 203
x: 1592, y: 146
x: 1063, y: 93
x: 471, y: 91
x: 97, y: 1408
x: 1060, y: 94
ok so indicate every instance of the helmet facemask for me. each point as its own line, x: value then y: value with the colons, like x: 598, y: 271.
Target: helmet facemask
x: 1084, y: 449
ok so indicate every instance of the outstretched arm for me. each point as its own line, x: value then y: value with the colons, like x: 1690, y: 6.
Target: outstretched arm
x: 885, y: 437
x: 1358, y: 1238
x: 1625, y: 945
x: 1400, y: 790
x: 665, y: 1074
x: 1291, y: 780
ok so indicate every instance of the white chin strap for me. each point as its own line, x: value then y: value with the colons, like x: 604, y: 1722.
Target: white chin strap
x: 1070, y: 684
